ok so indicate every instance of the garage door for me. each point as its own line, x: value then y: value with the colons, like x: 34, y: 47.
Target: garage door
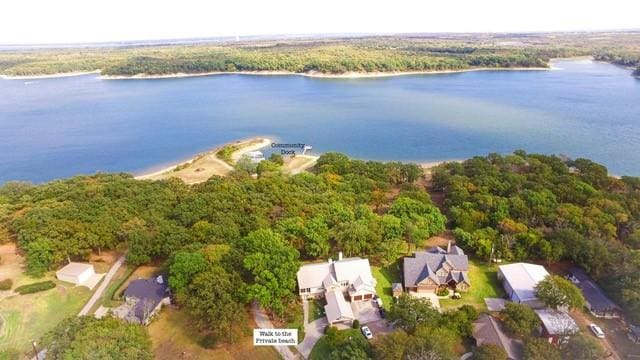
x: 357, y: 298
x: 368, y: 296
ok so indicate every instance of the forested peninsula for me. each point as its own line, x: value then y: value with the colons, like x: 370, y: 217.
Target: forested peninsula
x: 329, y: 56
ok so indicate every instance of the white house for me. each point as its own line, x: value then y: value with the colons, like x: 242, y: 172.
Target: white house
x: 337, y: 280
x: 519, y: 281
x: 76, y: 273
x: 352, y: 276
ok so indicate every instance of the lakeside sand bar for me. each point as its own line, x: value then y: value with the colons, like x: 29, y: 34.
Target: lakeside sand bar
x: 205, y: 165
x: 312, y: 74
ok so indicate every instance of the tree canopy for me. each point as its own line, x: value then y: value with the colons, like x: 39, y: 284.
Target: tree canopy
x: 86, y: 337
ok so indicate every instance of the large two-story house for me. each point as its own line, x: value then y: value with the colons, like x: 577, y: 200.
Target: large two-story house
x: 336, y: 281
x: 428, y: 271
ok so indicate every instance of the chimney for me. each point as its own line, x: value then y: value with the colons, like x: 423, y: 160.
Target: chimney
x: 339, y: 255
x: 449, y: 247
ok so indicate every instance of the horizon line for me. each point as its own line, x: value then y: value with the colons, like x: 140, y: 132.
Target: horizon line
x: 284, y: 36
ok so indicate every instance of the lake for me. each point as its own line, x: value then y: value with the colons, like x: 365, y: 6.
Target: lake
x: 56, y: 128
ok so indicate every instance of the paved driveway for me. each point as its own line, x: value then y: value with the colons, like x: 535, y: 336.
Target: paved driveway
x: 431, y: 296
x: 103, y: 285
x: 313, y: 331
x: 365, y: 311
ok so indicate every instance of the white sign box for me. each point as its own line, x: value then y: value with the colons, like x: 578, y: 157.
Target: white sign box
x: 275, y: 337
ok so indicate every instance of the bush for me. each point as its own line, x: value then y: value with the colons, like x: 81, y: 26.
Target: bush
x: 6, y: 284
x: 35, y: 287
x: 442, y: 292
x: 356, y: 324
x: 330, y: 330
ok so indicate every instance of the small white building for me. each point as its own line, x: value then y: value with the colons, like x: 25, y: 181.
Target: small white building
x: 76, y: 273
x: 519, y: 281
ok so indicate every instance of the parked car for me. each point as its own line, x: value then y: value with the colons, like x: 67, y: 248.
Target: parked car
x: 366, y: 332
x: 383, y: 313
x: 596, y: 330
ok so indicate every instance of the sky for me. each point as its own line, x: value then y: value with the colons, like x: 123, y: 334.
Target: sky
x: 75, y: 21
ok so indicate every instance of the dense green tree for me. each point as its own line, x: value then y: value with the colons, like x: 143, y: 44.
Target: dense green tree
x: 184, y: 266
x: 409, y: 312
x: 582, y: 347
x: 538, y: 348
x: 489, y: 352
x: 391, y: 346
x: 556, y: 291
x: 519, y: 319
x: 86, y: 337
x: 216, y: 305
x: 40, y: 257
x: 272, y: 265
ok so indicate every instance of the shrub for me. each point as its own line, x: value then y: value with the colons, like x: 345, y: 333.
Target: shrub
x: 356, y: 324
x: 35, y: 287
x: 330, y: 330
x: 442, y: 292
x: 6, y: 284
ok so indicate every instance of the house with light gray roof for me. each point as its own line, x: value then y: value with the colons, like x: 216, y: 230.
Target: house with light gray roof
x: 337, y: 281
x: 428, y: 271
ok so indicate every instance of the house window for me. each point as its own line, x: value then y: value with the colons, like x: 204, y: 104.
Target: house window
x: 306, y: 290
x: 344, y: 283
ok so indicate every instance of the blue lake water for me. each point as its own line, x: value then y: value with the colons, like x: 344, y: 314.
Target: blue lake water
x: 55, y: 128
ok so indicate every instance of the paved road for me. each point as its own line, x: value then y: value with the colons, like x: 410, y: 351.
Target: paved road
x: 263, y: 322
x: 103, y: 285
x: 584, y: 321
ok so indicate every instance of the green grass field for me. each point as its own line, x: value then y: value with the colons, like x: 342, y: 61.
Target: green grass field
x: 27, y: 317
x: 484, y: 284
x: 384, y: 277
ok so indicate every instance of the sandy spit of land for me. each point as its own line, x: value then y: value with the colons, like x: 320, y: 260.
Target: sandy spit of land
x: 48, y: 76
x: 315, y: 74
x: 205, y: 165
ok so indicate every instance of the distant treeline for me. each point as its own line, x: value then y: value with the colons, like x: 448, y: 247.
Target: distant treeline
x: 333, y: 56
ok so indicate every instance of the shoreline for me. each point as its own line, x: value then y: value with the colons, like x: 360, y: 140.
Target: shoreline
x: 318, y: 75
x: 313, y: 74
x: 305, y: 160
x: 148, y: 175
x: 48, y: 76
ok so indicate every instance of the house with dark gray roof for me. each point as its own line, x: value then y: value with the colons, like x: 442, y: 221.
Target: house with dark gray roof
x: 428, y: 271
x: 144, y: 298
x: 487, y: 330
x: 596, y: 301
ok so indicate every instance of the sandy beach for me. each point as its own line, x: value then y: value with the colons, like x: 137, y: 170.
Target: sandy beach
x: 314, y: 74
x: 48, y: 76
x: 207, y: 164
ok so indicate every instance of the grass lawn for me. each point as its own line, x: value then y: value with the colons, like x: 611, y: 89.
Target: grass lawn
x: 174, y: 337
x: 322, y: 349
x: 316, y: 309
x: 293, y: 319
x: 27, y: 317
x: 384, y: 277
x: 484, y: 284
